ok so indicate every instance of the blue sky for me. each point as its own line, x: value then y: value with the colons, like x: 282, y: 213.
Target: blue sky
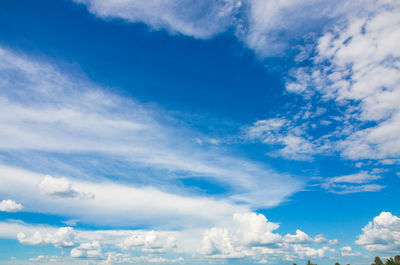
x: 192, y: 132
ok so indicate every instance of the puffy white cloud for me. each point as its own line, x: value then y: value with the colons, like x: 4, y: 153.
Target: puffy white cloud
x: 252, y: 235
x: 255, y: 230
x: 347, y: 251
x: 301, y: 237
x: 10, y: 206
x: 151, y: 241
x: 64, y: 237
x: 351, y: 183
x: 381, y: 234
x: 89, y: 250
x: 61, y: 187
x: 305, y: 251
x: 248, y: 235
x: 217, y: 243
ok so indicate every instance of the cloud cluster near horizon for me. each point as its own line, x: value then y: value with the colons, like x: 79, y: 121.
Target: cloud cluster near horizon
x: 248, y: 235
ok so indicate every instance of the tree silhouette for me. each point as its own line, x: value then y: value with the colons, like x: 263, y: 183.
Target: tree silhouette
x: 391, y: 261
x: 378, y: 261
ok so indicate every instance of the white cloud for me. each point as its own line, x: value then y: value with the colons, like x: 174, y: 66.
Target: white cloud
x: 61, y: 187
x: 116, y: 203
x: 359, y: 182
x: 348, y: 68
x: 291, y: 140
x: 117, y: 258
x: 248, y: 235
x: 38, y: 258
x: 301, y: 237
x: 41, y: 113
x: 64, y: 237
x: 252, y: 235
x: 89, y: 250
x: 381, y: 234
x: 10, y: 206
x: 193, y: 18
x: 151, y: 242
x: 264, y: 26
x: 255, y: 230
x: 217, y: 243
x: 333, y: 242
x: 347, y: 251
x: 305, y: 251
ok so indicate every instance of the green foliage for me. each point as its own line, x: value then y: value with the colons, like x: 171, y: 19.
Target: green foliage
x: 391, y: 261
x: 378, y: 261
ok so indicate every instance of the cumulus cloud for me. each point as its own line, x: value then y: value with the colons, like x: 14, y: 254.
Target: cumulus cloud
x: 347, y: 251
x: 64, y: 237
x: 359, y: 182
x: 255, y: 230
x: 151, y: 242
x: 10, y: 206
x: 89, y: 250
x: 301, y: 237
x: 253, y: 235
x: 305, y: 251
x: 61, y: 187
x: 248, y: 235
x: 381, y: 234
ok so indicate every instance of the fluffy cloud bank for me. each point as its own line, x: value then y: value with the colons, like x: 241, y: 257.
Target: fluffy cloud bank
x: 381, y: 234
x: 248, y: 235
x: 63, y: 237
x: 10, y: 206
x: 252, y: 235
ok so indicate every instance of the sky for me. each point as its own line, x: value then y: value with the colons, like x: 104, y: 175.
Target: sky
x: 199, y: 132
